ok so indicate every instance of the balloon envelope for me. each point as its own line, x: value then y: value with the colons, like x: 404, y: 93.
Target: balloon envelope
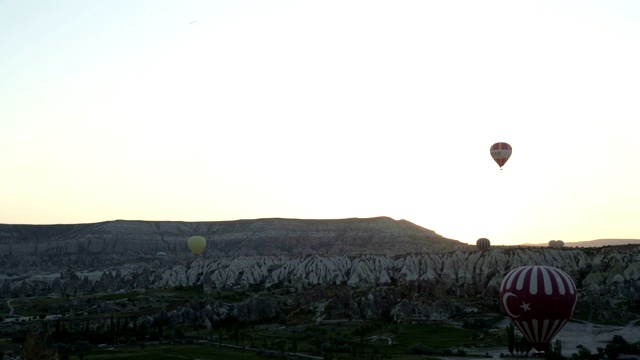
x: 500, y: 152
x: 483, y: 244
x: 196, y: 244
x: 556, y: 244
x: 539, y: 300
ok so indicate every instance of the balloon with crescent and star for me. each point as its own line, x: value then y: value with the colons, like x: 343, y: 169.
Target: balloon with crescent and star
x: 539, y: 300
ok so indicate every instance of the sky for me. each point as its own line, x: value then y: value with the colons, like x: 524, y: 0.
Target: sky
x: 224, y: 110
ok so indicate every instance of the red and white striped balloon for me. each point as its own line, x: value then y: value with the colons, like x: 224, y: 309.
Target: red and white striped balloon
x: 539, y: 300
x: 500, y: 152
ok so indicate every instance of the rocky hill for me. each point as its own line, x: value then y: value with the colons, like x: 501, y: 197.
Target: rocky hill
x: 349, y: 268
x: 93, y: 245
x: 420, y: 285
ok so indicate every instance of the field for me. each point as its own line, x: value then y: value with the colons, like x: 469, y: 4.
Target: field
x: 337, y: 340
x: 117, y: 322
x: 171, y: 352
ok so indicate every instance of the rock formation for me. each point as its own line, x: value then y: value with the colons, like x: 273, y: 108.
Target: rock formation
x: 376, y: 268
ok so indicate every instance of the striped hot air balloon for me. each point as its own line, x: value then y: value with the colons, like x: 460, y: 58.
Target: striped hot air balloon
x: 500, y: 152
x: 539, y: 300
x: 483, y: 244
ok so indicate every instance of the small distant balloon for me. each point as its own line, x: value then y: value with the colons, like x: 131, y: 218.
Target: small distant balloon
x: 556, y: 244
x: 500, y: 152
x: 196, y: 244
x: 483, y: 244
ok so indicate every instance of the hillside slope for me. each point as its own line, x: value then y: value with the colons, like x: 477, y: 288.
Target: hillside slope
x: 121, y: 240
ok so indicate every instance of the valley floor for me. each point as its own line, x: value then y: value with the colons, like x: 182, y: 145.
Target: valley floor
x: 593, y: 336
x: 576, y: 333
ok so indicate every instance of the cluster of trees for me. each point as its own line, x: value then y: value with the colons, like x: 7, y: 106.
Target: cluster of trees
x: 612, y: 351
x: 112, y: 331
x: 81, y: 336
x: 519, y: 347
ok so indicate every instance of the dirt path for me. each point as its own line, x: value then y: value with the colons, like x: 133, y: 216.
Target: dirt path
x: 10, y: 307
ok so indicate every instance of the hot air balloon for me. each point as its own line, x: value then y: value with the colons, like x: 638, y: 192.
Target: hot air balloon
x: 500, y: 152
x: 483, y: 244
x: 196, y: 244
x: 539, y: 300
x: 556, y: 244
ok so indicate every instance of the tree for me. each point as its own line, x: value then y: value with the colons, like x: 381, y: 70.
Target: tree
x: 583, y: 353
x: 236, y: 335
x: 39, y: 346
x: 511, y: 338
x: 554, y: 351
x: 624, y: 345
x: 525, y: 346
x: 618, y: 345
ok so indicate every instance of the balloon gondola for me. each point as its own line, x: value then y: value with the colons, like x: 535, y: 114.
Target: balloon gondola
x: 539, y: 300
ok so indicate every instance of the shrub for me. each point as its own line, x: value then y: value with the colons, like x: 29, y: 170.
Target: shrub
x: 583, y: 353
x: 420, y: 349
x: 82, y: 346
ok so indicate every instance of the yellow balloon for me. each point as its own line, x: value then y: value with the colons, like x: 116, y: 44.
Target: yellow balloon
x: 196, y: 244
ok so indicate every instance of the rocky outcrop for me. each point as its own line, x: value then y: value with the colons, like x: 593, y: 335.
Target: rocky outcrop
x: 411, y: 287
x: 465, y: 272
x: 376, y: 268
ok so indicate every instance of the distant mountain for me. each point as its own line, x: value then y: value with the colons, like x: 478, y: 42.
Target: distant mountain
x: 121, y: 240
x: 595, y: 243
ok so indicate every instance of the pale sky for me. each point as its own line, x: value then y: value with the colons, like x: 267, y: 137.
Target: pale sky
x: 224, y: 110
